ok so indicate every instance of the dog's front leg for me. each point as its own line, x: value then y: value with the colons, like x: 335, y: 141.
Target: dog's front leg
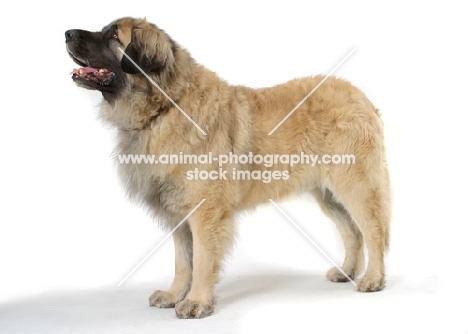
x: 183, y: 271
x: 213, y: 234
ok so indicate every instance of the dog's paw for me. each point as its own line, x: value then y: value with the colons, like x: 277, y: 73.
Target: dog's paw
x: 163, y: 299
x: 189, y: 309
x: 335, y: 275
x: 371, y: 284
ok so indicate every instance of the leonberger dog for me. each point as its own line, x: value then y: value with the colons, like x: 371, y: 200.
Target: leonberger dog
x: 164, y: 103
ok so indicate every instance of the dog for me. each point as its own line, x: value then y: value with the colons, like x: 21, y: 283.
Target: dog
x: 163, y: 103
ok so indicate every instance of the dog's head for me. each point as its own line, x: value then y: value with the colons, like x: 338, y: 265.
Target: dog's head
x: 124, y: 47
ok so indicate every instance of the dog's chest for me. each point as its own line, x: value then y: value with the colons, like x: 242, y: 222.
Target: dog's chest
x: 144, y: 180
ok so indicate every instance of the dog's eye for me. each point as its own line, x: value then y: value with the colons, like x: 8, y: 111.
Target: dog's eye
x: 114, y: 35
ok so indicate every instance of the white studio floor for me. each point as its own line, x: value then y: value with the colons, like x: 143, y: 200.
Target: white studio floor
x: 246, y: 304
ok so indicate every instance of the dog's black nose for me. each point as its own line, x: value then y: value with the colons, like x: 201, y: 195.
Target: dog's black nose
x: 71, y: 35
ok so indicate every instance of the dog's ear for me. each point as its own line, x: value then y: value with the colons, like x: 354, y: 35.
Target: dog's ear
x: 141, y: 61
x: 149, y: 48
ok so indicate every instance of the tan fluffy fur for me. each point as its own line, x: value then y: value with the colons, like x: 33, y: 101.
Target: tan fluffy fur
x: 336, y: 119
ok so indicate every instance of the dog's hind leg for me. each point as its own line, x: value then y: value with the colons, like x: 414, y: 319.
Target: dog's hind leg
x: 352, y: 238
x: 368, y: 203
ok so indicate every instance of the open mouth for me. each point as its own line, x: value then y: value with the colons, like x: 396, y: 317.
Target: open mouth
x: 101, y: 76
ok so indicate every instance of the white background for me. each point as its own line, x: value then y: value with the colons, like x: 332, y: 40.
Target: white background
x: 65, y: 224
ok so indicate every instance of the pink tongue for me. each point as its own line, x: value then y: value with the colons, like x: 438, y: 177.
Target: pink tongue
x: 84, y: 70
